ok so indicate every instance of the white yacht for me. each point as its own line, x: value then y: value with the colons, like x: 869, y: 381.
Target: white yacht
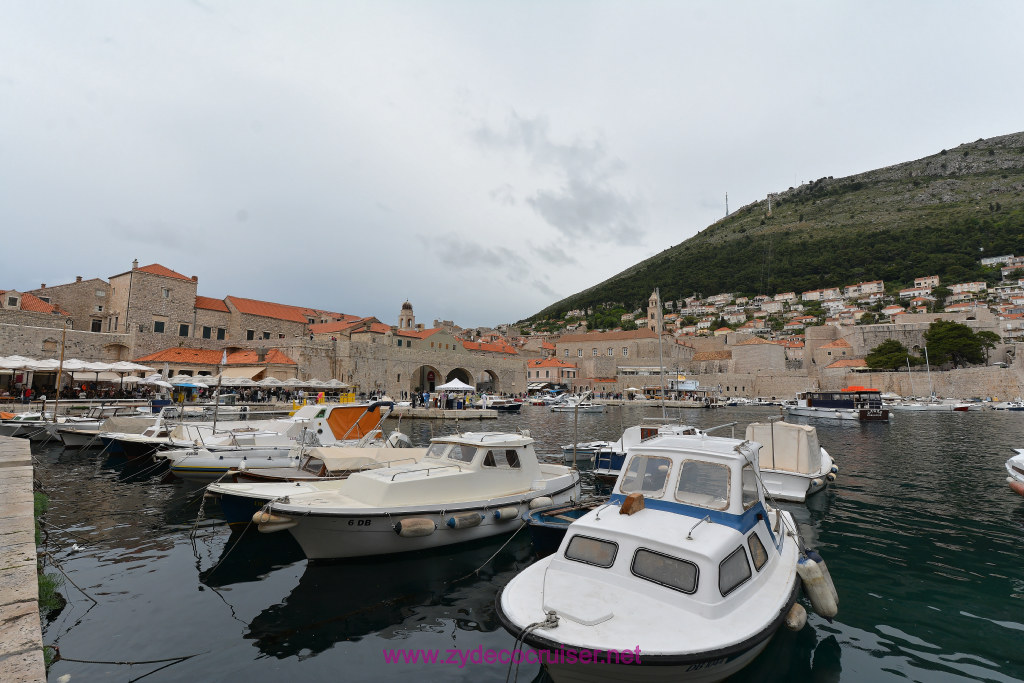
x: 467, y: 486
x: 685, y: 574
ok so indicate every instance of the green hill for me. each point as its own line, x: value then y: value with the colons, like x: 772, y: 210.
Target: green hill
x: 934, y: 216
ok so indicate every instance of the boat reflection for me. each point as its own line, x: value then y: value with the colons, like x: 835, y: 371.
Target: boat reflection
x: 390, y: 596
x: 249, y: 556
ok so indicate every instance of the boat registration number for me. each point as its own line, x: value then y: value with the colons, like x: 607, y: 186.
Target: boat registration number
x: 708, y: 664
x: 359, y: 522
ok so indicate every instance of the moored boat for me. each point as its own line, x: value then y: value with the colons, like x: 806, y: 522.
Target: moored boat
x: 1015, y: 472
x: 852, y: 403
x: 792, y: 463
x: 467, y: 486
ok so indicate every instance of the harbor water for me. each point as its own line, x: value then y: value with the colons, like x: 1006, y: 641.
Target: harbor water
x: 922, y: 536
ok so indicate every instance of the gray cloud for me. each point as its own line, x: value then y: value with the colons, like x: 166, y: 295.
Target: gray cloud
x: 553, y: 254
x: 587, y: 204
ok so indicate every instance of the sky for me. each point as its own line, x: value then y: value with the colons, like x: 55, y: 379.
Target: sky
x: 479, y: 159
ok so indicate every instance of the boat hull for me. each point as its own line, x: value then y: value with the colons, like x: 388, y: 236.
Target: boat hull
x: 863, y: 414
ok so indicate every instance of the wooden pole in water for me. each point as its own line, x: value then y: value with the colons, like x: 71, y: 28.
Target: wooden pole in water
x: 60, y: 369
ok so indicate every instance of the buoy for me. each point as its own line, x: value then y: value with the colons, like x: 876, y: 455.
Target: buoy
x: 816, y: 589
x: 796, y: 617
x: 268, y: 522
x: 1017, y: 487
x: 813, y: 554
x: 416, y: 526
x: 505, y: 514
x: 831, y: 476
x: 464, y: 520
x: 541, y: 502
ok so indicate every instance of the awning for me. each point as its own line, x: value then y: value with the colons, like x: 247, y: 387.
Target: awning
x: 536, y: 385
x: 246, y: 371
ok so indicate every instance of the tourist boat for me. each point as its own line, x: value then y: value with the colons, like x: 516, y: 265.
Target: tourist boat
x: 1015, y: 470
x: 467, y: 486
x: 685, y: 575
x: 243, y: 492
x: 577, y: 404
x: 793, y: 465
x: 852, y: 403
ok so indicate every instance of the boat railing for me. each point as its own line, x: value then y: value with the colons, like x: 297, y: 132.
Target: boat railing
x: 722, y: 426
x: 427, y: 470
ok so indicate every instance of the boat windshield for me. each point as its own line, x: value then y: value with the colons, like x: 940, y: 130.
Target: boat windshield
x: 462, y: 453
x: 646, y: 474
x: 705, y: 484
x: 437, y: 450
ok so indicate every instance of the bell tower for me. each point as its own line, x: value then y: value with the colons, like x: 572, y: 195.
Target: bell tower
x: 406, y: 319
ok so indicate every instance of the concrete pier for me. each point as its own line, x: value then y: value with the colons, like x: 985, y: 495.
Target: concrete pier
x: 21, y: 638
x: 442, y: 414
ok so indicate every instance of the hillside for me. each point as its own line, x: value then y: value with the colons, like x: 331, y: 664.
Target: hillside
x: 935, y: 216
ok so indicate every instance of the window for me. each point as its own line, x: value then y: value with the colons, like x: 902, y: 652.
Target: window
x: 733, y: 571
x: 594, y: 352
x: 101, y: 293
x: 591, y: 551
x: 666, y: 570
x: 705, y: 484
x: 158, y: 326
x: 280, y: 335
x: 97, y: 325
x: 220, y: 333
x: 250, y: 335
x: 749, y: 487
x: 507, y: 459
x: 757, y: 551
x: 99, y: 309
x: 547, y: 373
x: 437, y: 450
x: 207, y: 332
x: 166, y: 293
x: 579, y: 353
x: 182, y: 330
x: 567, y: 353
x: 462, y: 453
x: 399, y: 343
x: 646, y: 474
x: 12, y: 301
x: 45, y: 298
x: 625, y: 352
x: 266, y: 335
x: 611, y: 351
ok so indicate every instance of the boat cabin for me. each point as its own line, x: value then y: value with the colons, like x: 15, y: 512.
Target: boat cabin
x: 853, y: 398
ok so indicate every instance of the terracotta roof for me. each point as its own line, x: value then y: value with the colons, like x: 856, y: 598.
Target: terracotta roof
x: 157, y: 269
x: 547, y: 346
x: 32, y: 303
x: 609, y: 336
x: 337, y: 325
x: 178, y: 354
x: 494, y: 347
x: 837, y: 344
x: 754, y: 340
x: 711, y: 355
x: 211, y: 304
x: 549, y: 363
x: 376, y: 327
x: 848, y: 363
x: 267, y: 309
x: 421, y: 334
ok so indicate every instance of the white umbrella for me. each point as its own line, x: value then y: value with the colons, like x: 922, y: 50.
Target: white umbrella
x: 336, y: 384
x: 314, y: 382
x: 295, y: 382
x: 128, y: 366
x: 270, y: 382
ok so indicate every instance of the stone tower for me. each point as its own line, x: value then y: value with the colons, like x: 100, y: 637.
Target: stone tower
x: 654, y: 320
x: 406, y: 319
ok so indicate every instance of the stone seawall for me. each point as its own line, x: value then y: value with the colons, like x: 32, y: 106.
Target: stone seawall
x: 21, y: 638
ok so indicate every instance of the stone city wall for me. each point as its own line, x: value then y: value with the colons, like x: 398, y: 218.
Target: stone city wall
x: 44, y: 342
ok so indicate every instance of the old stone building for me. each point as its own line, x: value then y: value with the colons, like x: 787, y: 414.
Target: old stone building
x: 86, y: 302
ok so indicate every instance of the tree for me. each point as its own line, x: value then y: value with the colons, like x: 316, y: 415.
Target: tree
x: 940, y: 293
x: 953, y: 342
x: 988, y: 341
x: 890, y: 355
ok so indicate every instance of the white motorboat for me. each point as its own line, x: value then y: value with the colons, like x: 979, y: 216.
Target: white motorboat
x: 609, y: 460
x: 25, y: 425
x: 792, y: 463
x: 80, y: 431
x: 852, y: 403
x: 580, y: 404
x: 1015, y: 471
x: 685, y: 574
x: 467, y: 486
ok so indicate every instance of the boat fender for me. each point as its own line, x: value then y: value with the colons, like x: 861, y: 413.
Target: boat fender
x: 817, y: 483
x: 1017, y: 487
x: 505, y: 514
x: 241, y: 466
x: 796, y: 617
x: 831, y: 476
x: 397, y: 439
x: 813, y: 554
x: 268, y: 523
x: 414, y: 527
x: 814, y: 586
x: 464, y: 520
x: 542, y: 501
x: 834, y: 470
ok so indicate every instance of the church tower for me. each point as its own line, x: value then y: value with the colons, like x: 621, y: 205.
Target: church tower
x: 654, y: 319
x: 406, y: 319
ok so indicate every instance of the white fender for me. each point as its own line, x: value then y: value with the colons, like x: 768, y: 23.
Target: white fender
x: 414, y: 527
x: 796, y: 618
x: 464, y: 520
x: 505, y: 514
x: 816, y: 589
x: 542, y: 501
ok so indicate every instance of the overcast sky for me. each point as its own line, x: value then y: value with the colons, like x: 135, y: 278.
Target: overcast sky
x: 480, y: 159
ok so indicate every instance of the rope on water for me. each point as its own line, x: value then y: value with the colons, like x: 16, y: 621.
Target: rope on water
x: 550, y: 621
x: 488, y: 561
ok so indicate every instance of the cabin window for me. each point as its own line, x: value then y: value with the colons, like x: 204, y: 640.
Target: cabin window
x: 313, y: 465
x: 591, y: 551
x: 646, y: 474
x: 323, y: 411
x: 733, y: 571
x: 666, y: 570
x: 757, y: 551
x: 437, y: 450
x: 507, y: 459
x: 462, y: 453
x: 705, y: 484
x: 749, y: 487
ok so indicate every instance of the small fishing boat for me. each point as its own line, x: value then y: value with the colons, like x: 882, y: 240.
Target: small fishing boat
x: 547, y: 525
x: 1015, y: 470
x: 467, y: 486
x: 609, y: 460
x: 577, y: 404
x: 686, y: 564
x: 792, y: 463
x: 502, y: 405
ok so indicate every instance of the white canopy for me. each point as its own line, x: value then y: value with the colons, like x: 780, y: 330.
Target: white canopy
x: 455, y: 385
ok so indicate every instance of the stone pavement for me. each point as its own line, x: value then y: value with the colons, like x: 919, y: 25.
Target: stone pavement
x: 21, y: 638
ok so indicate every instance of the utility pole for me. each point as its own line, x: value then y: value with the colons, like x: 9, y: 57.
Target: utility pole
x: 726, y: 203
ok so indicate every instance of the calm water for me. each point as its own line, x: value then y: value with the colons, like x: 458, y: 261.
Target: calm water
x: 922, y: 536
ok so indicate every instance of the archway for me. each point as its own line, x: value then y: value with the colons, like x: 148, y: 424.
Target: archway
x: 425, y: 378
x: 489, y: 382
x: 461, y: 374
